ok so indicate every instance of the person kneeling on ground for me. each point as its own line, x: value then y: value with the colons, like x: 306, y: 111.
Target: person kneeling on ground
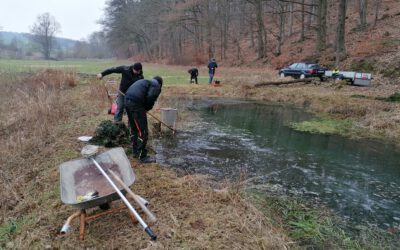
x: 193, y: 75
x: 140, y: 98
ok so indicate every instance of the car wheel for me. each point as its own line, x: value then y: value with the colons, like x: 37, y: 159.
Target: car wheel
x: 282, y: 75
x: 302, y: 76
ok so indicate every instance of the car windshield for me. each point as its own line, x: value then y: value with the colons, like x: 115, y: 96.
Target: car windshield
x: 293, y: 66
x: 313, y: 66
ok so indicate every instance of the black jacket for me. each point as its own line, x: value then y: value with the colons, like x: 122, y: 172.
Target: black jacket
x: 127, y: 79
x: 193, y: 72
x: 143, y: 94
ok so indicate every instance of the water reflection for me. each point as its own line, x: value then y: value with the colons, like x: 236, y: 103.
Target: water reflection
x: 359, y: 179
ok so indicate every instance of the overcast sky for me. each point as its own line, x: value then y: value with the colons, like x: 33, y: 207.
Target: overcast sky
x: 78, y: 18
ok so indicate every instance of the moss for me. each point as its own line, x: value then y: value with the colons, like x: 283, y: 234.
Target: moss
x: 392, y: 98
x: 363, y: 66
x: 13, y: 226
x: 391, y: 71
x: 324, y: 126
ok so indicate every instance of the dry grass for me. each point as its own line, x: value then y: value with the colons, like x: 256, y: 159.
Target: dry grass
x: 39, y: 132
x: 40, y: 123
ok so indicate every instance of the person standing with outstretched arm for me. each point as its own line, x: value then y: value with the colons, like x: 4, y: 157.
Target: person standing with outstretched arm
x: 129, y: 75
x: 140, y: 98
x: 212, y: 65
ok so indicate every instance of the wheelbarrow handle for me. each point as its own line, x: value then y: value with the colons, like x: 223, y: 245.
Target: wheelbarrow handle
x: 123, y: 198
x: 151, y: 216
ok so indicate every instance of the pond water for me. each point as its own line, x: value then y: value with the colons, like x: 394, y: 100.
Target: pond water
x: 358, y: 179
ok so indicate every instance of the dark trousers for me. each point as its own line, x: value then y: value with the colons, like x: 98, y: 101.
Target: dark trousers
x: 193, y: 78
x: 138, y: 124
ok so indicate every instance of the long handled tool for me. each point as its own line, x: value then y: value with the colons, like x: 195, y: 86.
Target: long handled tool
x: 89, y: 151
x: 151, y: 216
x: 113, y: 105
x: 173, y: 130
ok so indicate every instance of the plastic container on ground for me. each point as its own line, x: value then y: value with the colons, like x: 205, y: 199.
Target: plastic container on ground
x: 169, y: 117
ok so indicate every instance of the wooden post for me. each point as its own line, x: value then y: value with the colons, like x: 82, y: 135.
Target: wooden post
x: 82, y: 225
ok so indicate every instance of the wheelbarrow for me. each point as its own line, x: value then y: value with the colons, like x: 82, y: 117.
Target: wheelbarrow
x: 81, y: 177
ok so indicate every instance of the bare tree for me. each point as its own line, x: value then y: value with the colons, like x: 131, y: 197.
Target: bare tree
x: 43, y: 32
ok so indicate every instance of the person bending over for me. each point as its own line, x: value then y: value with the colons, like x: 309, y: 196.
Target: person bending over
x: 140, y: 98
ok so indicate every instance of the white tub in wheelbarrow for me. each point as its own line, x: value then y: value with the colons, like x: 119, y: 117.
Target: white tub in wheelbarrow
x: 80, y: 177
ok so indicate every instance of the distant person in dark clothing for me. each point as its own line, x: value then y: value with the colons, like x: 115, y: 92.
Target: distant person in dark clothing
x: 193, y: 75
x: 140, y: 98
x: 130, y: 74
x: 212, y: 65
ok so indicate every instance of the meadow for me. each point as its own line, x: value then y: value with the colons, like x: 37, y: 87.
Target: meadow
x: 172, y: 75
x: 45, y: 106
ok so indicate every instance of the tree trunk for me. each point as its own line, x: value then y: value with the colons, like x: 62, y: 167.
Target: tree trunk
x: 302, y: 36
x: 363, y: 6
x: 377, y: 6
x: 321, y: 35
x: 260, y: 29
x: 290, y: 18
x: 340, y: 34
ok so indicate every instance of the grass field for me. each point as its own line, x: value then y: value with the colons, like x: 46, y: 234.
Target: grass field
x: 171, y: 74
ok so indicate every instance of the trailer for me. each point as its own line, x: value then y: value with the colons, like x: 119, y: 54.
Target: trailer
x: 355, y: 78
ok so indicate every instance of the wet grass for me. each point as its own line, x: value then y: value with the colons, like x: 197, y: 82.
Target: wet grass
x: 325, y: 126
x: 316, y: 228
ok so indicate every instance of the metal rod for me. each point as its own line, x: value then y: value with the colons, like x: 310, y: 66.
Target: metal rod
x: 151, y: 216
x: 144, y: 225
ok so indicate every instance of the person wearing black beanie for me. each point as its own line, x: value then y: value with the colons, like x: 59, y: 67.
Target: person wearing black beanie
x: 129, y: 75
x: 140, y: 98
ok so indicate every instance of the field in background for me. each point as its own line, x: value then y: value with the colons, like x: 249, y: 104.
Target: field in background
x: 171, y: 74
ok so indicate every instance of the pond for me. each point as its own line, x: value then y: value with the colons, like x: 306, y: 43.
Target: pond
x: 358, y: 179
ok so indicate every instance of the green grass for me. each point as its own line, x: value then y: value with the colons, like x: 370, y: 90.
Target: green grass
x: 171, y: 74
x: 13, y: 226
x: 324, y: 126
x: 392, y: 98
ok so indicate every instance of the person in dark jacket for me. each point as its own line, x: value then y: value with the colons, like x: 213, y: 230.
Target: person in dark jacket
x: 140, y: 98
x: 130, y: 74
x: 194, y: 73
x: 212, y: 65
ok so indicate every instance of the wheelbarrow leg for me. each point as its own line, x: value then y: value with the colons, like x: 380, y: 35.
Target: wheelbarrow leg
x: 82, y: 225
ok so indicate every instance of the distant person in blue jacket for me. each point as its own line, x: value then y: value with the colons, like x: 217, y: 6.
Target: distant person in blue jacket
x: 212, y: 65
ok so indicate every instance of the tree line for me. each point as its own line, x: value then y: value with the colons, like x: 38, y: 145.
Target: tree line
x: 226, y: 29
